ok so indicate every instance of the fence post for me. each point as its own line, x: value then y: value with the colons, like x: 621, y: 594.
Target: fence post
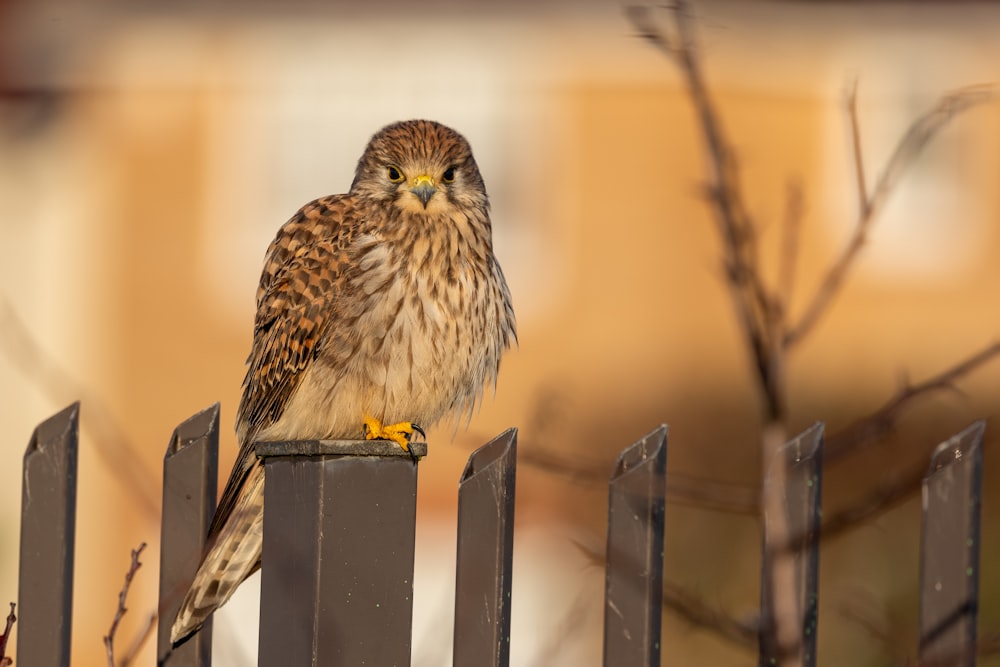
x: 190, y: 479
x: 634, y: 574
x: 949, y: 563
x: 48, y: 536
x: 337, y: 575
x: 485, y: 553
x: 803, y: 460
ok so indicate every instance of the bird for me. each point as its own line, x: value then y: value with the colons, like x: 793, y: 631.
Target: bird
x: 379, y: 312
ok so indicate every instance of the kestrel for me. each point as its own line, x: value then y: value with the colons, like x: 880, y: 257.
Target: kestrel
x: 377, y: 310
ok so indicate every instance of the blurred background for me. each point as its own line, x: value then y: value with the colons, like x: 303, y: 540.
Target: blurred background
x: 150, y: 151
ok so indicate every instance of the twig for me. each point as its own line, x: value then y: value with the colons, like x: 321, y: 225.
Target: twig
x: 875, y: 503
x: 762, y: 319
x: 791, y: 228
x: 750, y: 297
x: 708, y: 494
x: 909, y: 147
x: 859, y: 161
x: 877, y: 424
x: 109, y: 639
x: 682, y: 489
x: 11, y: 618
x: 735, y: 498
x: 571, y: 467
x: 641, y: 19
x: 985, y: 647
x: 689, y: 606
x: 763, y: 314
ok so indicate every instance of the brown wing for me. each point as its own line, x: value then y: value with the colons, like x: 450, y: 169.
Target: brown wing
x: 298, y: 286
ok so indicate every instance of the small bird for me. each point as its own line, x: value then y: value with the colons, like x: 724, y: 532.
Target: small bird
x: 377, y: 311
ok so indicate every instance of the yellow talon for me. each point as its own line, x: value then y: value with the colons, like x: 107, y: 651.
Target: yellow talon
x: 399, y: 433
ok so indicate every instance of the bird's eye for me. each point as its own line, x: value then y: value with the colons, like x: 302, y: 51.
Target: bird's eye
x: 394, y: 174
x: 449, y: 175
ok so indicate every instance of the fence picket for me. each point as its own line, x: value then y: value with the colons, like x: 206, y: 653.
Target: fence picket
x: 337, y: 577
x: 48, y: 532
x: 337, y: 587
x: 190, y: 479
x: 485, y: 552
x: 634, y: 569
x: 802, y: 457
x: 949, y: 565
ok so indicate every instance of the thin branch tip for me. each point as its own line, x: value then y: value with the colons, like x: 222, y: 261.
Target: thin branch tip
x: 9, y: 626
x: 641, y: 19
x: 109, y: 639
x: 871, y: 200
x: 883, y: 420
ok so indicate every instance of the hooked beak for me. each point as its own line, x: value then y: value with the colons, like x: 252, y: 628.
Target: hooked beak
x: 423, y: 188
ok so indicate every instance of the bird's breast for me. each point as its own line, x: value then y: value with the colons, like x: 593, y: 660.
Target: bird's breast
x: 428, y: 349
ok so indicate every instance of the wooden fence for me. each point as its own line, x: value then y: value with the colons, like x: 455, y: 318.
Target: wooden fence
x: 337, y: 582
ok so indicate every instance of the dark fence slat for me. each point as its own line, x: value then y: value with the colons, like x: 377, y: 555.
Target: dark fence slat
x: 48, y: 536
x: 634, y: 574
x: 337, y: 576
x: 949, y: 567
x: 802, y: 458
x: 190, y: 479
x: 485, y: 552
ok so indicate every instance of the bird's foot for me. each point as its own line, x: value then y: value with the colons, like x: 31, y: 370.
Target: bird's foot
x: 400, y: 433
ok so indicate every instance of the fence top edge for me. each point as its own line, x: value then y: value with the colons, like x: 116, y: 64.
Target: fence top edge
x: 650, y: 450
x: 806, y: 445
x: 963, y: 446
x: 194, y: 428
x: 56, y: 428
x: 501, y: 450
x: 339, y: 448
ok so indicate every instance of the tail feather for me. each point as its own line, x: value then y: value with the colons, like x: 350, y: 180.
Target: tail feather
x: 233, y: 556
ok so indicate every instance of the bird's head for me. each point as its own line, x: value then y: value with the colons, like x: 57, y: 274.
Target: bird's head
x: 421, y: 167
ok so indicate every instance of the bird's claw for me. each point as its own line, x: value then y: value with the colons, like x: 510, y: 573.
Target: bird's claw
x: 400, y: 433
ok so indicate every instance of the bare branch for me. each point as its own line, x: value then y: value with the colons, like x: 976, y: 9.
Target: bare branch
x: 641, y: 19
x: 875, y: 503
x: 912, y: 143
x: 11, y: 618
x: 791, y: 228
x: 109, y: 639
x: 571, y: 467
x: 985, y: 647
x: 749, y: 295
x: 859, y: 160
x: 689, y: 606
x: 708, y: 494
x: 682, y: 489
x: 118, y: 453
x: 735, y: 498
x: 762, y: 313
x: 877, y: 424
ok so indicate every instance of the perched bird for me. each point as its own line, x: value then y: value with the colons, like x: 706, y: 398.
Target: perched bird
x: 377, y: 310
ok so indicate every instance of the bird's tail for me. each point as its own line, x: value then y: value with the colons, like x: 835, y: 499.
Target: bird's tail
x: 233, y: 556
